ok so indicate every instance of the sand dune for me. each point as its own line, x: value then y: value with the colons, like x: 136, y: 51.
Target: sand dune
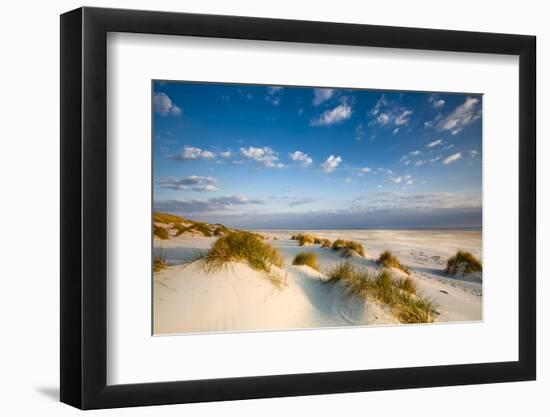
x: 187, y: 299
x: 237, y: 298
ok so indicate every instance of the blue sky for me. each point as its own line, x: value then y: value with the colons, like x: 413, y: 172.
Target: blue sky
x: 300, y: 157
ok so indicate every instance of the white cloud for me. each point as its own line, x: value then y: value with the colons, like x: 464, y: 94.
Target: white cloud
x: 396, y: 180
x: 266, y: 156
x: 428, y: 125
x: 211, y: 205
x: 437, y: 103
x: 473, y: 153
x: 383, y: 119
x: 415, y: 153
x: 274, y: 95
x: 301, y: 157
x: 434, y: 143
x: 409, y: 182
x: 193, y: 182
x: 452, y: 158
x: 359, y: 132
x: 390, y: 113
x: 331, y: 163
x: 163, y: 105
x: 335, y: 115
x: 464, y: 115
x: 382, y: 102
x: 403, y: 118
x: 320, y: 95
x: 226, y: 154
x: 191, y: 152
x: 365, y: 170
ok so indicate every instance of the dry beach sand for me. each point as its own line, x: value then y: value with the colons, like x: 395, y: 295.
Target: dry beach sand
x: 188, y: 299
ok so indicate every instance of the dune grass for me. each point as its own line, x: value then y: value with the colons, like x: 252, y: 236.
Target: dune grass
x: 181, y: 225
x: 160, y: 232
x: 463, y: 263
x: 347, y: 246
x: 244, y: 247
x: 159, y: 259
x: 399, y: 295
x: 304, y: 239
x: 388, y: 259
x: 307, y: 258
x: 167, y: 218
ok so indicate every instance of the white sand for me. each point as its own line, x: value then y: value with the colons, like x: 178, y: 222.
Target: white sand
x: 237, y: 298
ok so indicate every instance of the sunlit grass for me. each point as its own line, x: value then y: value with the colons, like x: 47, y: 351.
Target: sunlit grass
x: 159, y: 259
x: 307, y: 258
x: 244, y: 247
x: 325, y: 243
x: 388, y: 259
x: 347, y: 246
x: 160, y: 232
x: 463, y: 263
x: 399, y: 295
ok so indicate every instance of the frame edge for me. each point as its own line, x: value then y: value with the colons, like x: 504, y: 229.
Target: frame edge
x: 70, y: 208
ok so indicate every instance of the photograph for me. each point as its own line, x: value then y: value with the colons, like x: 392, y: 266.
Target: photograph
x: 279, y: 207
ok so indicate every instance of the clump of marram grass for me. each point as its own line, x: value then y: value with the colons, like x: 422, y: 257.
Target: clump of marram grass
x: 305, y: 240
x: 180, y: 225
x: 159, y: 259
x: 463, y: 263
x: 160, y: 232
x: 388, y: 259
x: 244, y: 247
x: 399, y: 295
x: 306, y: 258
x: 406, y: 284
x: 325, y: 243
x: 167, y: 218
x: 347, y: 246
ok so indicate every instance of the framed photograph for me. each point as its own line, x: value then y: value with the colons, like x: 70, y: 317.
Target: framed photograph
x: 258, y: 208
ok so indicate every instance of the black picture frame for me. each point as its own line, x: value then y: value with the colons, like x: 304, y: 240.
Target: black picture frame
x: 84, y: 207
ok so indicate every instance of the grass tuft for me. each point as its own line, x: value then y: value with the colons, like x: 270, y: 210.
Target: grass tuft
x: 243, y: 247
x: 388, y: 259
x: 325, y: 243
x: 159, y: 259
x: 306, y: 258
x: 305, y: 240
x: 399, y: 295
x: 167, y: 218
x: 463, y: 263
x: 406, y: 284
x: 160, y: 232
x: 347, y: 246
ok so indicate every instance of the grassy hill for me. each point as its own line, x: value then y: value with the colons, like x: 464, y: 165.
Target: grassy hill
x: 167, y: 225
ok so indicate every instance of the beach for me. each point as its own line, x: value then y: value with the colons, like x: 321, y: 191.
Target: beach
x: 188, y: 298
